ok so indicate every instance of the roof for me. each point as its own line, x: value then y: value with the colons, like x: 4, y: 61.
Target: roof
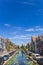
x: 34, y: 38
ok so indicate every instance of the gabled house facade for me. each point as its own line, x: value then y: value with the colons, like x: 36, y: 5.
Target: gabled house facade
x: 38, y: 44
x: 6, y: 45
x: 2, y: 45
x: 34, y: 42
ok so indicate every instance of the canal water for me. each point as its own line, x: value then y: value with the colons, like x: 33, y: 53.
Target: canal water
x: 20, y: 59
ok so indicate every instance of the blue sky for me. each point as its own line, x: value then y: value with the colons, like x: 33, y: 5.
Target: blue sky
x: 21, y: 19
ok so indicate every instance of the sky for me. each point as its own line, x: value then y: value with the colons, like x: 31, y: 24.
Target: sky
x: 21, y: 19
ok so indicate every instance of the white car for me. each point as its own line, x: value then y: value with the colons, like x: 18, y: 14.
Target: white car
x: 36, y: 56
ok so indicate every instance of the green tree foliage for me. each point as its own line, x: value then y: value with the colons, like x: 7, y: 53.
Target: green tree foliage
x: 8, y: 46
x: 22, y: 46
x: 32, y: 47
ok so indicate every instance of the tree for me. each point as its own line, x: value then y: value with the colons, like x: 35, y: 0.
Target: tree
x: 8, y: 46
x: 28, y: 46
x: 32, y: 47
x: 22, y: 46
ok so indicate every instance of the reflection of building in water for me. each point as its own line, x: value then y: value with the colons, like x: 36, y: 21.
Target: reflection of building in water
x: 22, y: 52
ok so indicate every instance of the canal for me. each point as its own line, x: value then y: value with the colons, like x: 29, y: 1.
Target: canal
x: 20, y: 59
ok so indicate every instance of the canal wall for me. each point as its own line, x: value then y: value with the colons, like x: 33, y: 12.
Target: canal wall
x: 30, y: 57
x: 34, y: 61
x: 10, y: 58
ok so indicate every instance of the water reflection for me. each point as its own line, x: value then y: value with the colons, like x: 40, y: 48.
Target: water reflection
x: 22, y: 53
x: 20, y: 59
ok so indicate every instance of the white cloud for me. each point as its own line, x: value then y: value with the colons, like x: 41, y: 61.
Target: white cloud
x: 14, y: 33
x: 30, y: 30
x: 28, y: 3
x: 21, y: 37
x: 40, y: 29
x: 35, y: 29
x: 7, y: 25
x: 37, y: 26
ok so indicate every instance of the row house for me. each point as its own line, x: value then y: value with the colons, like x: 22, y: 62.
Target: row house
x: 34, y: 42
x: 38, y: 44
x: 6, y: 45
x: 2, y: 45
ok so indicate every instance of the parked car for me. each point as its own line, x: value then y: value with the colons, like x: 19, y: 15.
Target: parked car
x: 29, y: 53
x: 40, y: 61
x: 1, y: 60
x: 36, y: 56
x: 11, y: 53
x: 6, y: 57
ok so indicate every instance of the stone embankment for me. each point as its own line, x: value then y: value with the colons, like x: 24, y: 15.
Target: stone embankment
x: 10, y: 57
